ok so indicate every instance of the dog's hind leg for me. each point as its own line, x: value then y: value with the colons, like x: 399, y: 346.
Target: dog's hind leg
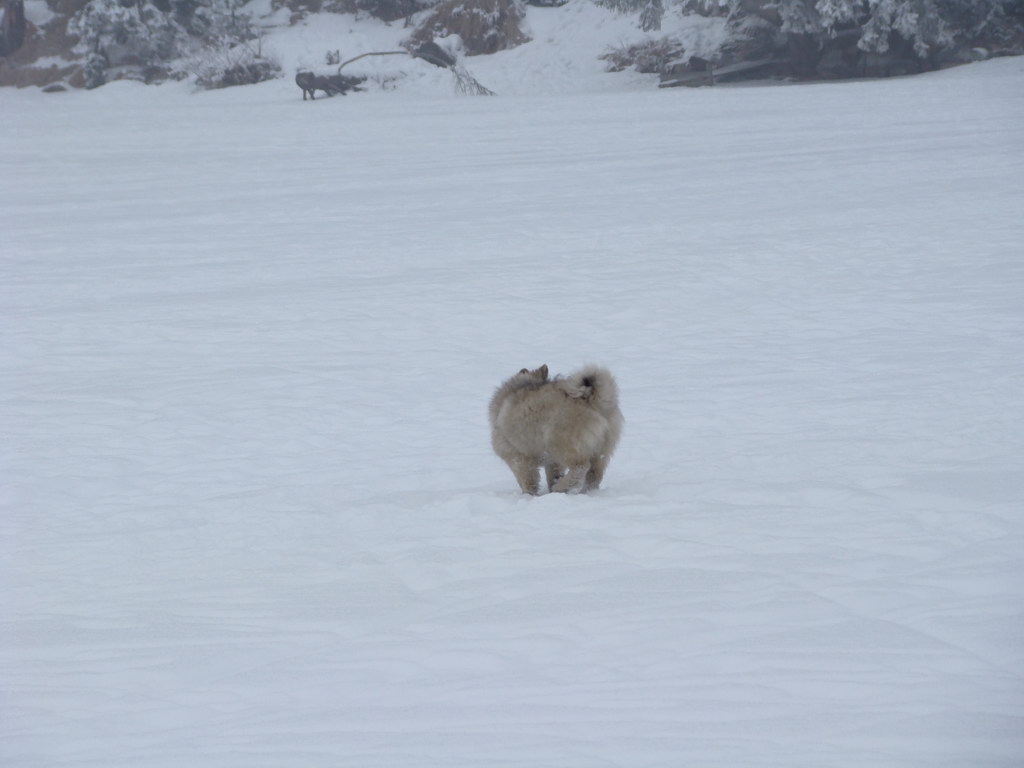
x: 554, y: 474
x: 574, y: 481
x: 596, y: 473
x: 527, y: 473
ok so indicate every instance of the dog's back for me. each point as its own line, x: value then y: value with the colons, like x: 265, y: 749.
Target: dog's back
x: 549, y: 424
x: 515, y: 387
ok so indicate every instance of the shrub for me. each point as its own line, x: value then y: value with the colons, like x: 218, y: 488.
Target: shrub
x: 240, y: 65
x: 485, y: 26
x: 649, y: 56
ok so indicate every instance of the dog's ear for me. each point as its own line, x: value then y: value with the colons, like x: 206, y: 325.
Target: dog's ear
x: 543, y: 371
x: 525, y: 370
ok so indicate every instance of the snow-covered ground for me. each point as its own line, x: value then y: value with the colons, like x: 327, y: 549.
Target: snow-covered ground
x: 250, y: 512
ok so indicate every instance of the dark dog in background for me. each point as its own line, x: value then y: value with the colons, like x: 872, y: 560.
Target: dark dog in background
x: 329, y: 84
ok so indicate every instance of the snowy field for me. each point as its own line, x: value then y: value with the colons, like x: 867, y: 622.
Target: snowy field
x: 250, y: 512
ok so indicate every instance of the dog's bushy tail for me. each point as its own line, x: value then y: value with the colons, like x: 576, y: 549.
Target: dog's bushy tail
x: 596, y: 384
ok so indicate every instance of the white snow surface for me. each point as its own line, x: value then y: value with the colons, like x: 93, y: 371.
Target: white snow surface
x: 37, y: 12
x: 250, y: 512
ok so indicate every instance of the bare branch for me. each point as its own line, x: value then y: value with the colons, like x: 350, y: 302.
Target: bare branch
x: 373, y: 53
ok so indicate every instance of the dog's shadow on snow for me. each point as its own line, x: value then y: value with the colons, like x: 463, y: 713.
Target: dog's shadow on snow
x: 482, y: 497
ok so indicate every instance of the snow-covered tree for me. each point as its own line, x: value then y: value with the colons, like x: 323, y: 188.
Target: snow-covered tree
x: 984, y: 21
x: 114, y: 33
x: 650, y: 16
x: 624, y: 6
x: 12, y: 27
x: 838, y: 13
x: 918, y: 22
x: 713, y: 7
x: 899, y: 28
x: 800, y: 17
x: 147, y: 38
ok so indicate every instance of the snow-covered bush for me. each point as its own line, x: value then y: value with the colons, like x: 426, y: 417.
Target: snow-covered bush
x: 155, y: 39
x: 858, y: 37
x: 888, y: 22
x: 137, y: 36
x: 484, y: 26
x: 657, y: 56
x: 216, y: 67
x: 998, y: 24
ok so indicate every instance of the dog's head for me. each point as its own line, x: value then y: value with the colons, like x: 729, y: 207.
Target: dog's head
x: 537, y: 375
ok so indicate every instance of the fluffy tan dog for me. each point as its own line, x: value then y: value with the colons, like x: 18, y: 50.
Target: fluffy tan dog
x: 569, y: 426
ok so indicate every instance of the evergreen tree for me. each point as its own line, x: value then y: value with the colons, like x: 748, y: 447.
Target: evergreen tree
x: 147, y: 37
x: 916, y: 21
x: 135, y: 33
x: 800, y: 17
x: 650, y: 16
x: 839, y: 13
x: 923, y: 25
x: 982, y: 20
